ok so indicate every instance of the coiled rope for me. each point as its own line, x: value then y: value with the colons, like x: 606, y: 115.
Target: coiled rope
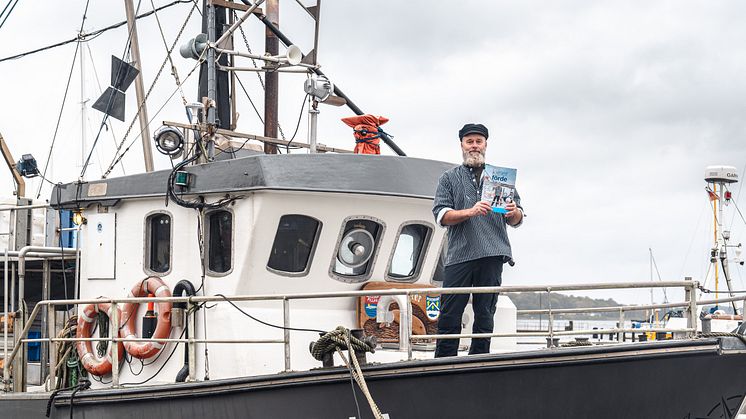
x: 339, y: 339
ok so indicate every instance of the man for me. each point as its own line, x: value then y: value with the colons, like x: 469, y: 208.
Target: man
x: 477, y: 242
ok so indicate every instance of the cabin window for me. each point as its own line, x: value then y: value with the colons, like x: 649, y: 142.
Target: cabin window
x: 295, y: 242
x: 356, y: 249
x: 219, y: 241
x: 158, y: 242
x: 409, y: 252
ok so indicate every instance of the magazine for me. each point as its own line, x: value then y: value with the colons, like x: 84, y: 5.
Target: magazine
x: 498, y: 187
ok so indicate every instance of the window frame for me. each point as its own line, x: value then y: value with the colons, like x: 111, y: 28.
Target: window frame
x: 205, y: 223
x: 421, y: 259
x: 442, y: 250
x: 356, y: 279
x: 147, y: 245
x: 310, y: 256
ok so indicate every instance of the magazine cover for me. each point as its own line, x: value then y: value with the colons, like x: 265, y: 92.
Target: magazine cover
x: 498, y: 186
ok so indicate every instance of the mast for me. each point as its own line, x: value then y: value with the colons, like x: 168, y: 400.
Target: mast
x: 718, y: 177
x: 83, y: 106
x: 147, y: 151
x: 271, y: 79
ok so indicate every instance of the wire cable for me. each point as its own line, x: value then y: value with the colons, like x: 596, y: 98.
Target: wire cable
x: 126, y: 53
x: 9, y: 12
x: 296, y: 329
x: 64, y: 100
x: 85, y: 37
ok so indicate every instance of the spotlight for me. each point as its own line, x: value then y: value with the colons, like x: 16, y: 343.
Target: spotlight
x: 169, y: 141
x: 27, y: 166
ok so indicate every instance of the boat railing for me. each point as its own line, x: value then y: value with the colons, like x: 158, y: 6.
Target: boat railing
x: 402, y: 296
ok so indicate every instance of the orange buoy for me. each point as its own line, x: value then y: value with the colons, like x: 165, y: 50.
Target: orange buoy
x: 90, y: 360
x: 143, y: 350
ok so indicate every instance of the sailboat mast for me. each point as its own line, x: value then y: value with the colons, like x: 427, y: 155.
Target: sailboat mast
x: 83, y: 106
x: 147, y: 151
x: 716, y: 243
x: 271, y: 79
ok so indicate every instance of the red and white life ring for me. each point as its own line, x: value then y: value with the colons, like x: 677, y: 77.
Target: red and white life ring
x: 88, y: 357
x: 151, y: 285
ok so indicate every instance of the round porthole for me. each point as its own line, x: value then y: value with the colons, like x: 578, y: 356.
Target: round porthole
x: 356, y: 248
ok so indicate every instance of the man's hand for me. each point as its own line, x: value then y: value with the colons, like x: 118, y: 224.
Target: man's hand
x: 480, y: 208
x: 514, y: 214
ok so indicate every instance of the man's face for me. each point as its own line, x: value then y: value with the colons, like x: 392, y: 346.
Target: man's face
x: 473, y: 147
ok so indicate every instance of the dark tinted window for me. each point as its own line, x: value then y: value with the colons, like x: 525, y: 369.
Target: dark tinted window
x: 294, y: 243
x: 409, y: 251
x: 159, y: 237
x: 356, y: 249
x: 220, y: 235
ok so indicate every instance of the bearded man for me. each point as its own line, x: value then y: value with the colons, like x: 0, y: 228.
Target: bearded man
x: 477, y: 242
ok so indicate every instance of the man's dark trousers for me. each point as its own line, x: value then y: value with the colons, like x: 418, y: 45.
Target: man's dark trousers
x: 484, y: 272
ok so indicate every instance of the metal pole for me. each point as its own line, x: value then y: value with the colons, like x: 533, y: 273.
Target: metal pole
x: 286, y: 331
x: 45, y: 293
x: 690, y: 295
x: 139, y: 89
x: 51, y: 331
x: 271, y: 79
x: 337, y: 91
x: 191, y: 345
x: 114, y: 333
x: 83, y: 105
x: 6, y: 367
x: 212, y: 84
x: 313, y: 116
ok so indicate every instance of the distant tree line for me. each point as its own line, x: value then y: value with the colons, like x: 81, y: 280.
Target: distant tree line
x: 535, y: 301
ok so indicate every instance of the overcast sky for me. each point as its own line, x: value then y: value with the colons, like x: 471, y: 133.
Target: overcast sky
x: 609, y: 110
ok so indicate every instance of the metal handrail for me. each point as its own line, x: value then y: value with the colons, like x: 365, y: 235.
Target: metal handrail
x: 405, y: 341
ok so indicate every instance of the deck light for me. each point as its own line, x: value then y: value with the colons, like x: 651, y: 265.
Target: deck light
x: 169, y: 141
x: 78, y: 217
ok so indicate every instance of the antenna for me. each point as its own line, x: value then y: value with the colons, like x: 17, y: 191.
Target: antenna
x: 718, y: 178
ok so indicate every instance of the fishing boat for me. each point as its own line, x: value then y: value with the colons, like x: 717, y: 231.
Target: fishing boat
x: 246, y: 283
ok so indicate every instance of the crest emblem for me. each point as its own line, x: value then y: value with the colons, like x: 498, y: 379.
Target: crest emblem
x: 371, y: 305
x: 432, y: 307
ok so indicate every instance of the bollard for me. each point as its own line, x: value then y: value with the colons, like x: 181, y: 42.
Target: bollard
x: 360, y: 355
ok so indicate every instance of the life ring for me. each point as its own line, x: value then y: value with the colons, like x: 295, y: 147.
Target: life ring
x: 88, y: 357
x: 143, y: 350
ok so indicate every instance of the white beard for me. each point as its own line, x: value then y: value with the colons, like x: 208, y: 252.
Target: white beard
x: 473, y: 159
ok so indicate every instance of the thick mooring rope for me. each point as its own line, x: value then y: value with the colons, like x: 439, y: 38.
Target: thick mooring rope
x: 339, y: 339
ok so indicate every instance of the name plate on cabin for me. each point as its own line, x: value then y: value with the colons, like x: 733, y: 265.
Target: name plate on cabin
x: 97, y: 189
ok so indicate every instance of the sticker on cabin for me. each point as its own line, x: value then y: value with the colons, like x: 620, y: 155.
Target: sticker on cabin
x: 432, y: 307
x: 371, y: 305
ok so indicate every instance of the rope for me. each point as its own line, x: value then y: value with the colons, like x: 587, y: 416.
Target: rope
x: 338, y: 339
x: 576, y: 343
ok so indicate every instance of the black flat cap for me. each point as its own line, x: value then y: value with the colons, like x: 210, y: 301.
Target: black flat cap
x: 473, y: 129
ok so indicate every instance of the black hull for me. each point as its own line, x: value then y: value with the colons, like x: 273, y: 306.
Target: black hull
x: 679, y: 379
